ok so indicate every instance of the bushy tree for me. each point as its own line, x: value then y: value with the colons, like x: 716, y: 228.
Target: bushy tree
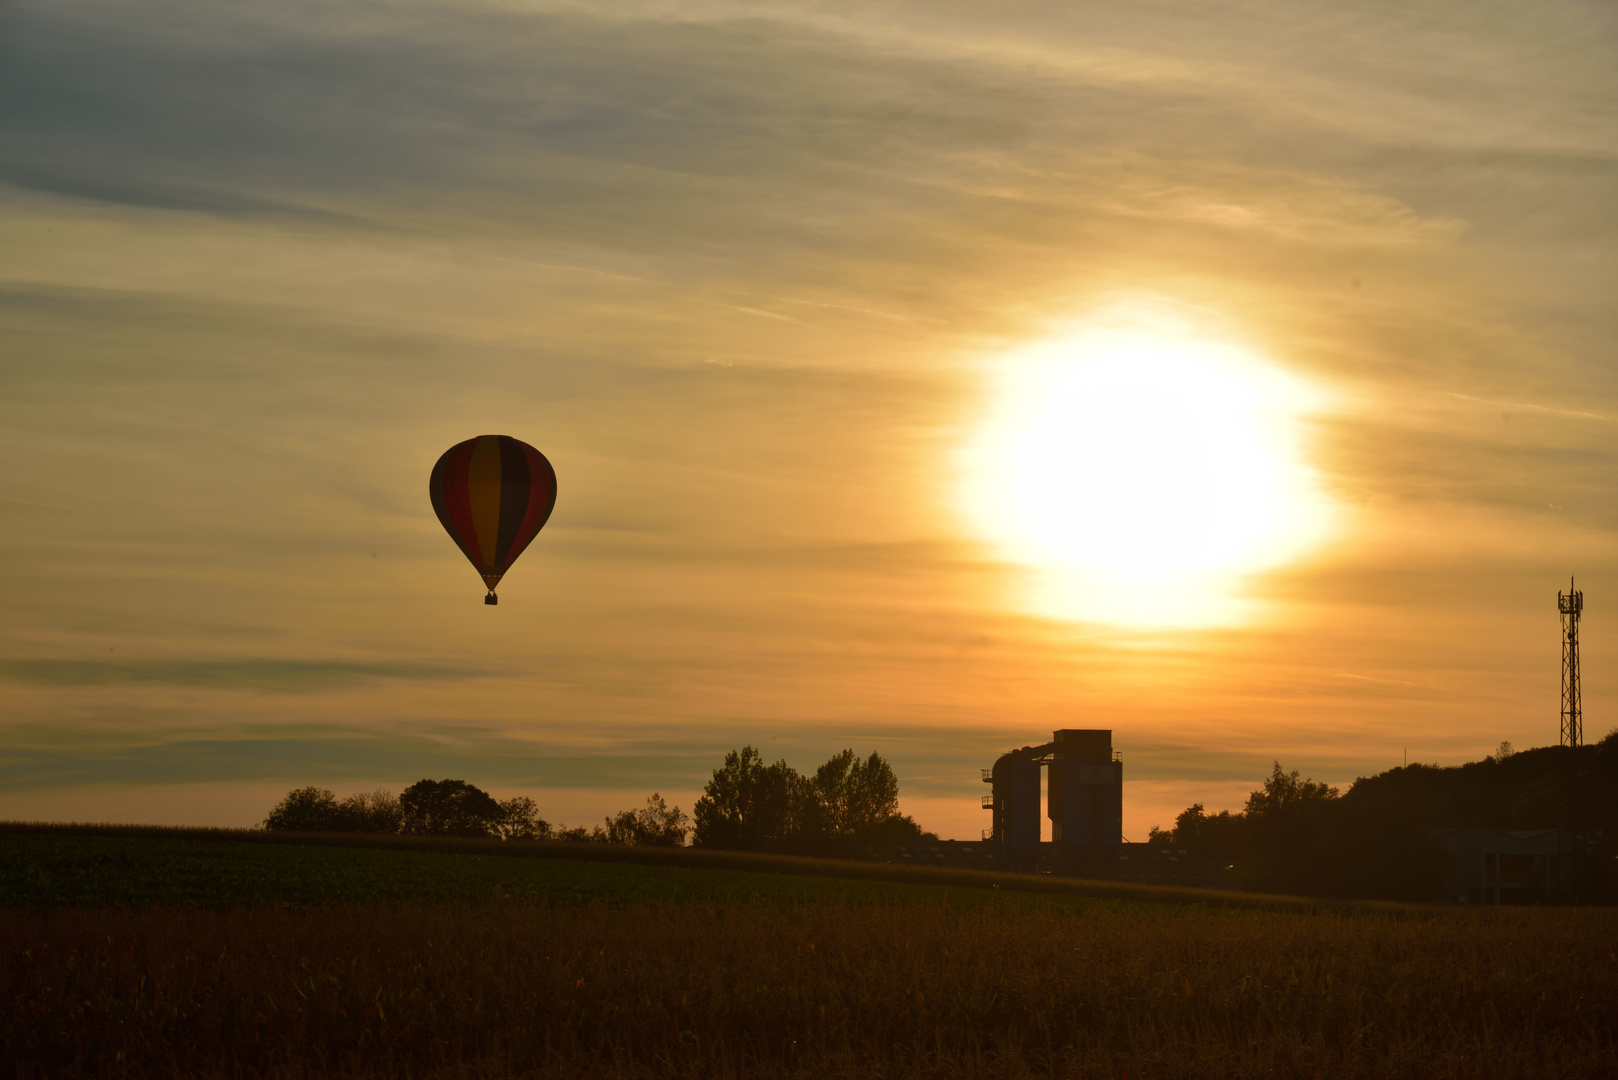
x: 370, y: 812
x: 1220, y: 839
x: 1275, y: 844
x: 1284, y: 795
x: 448, y: 808
x: 882, y: 840
x: 852, y: 796
x: 306, y: 809
x: 751, y: 806
x: 657, y: 824
x: 520, y: 820
x: 849, y: 808
x: 1288, y: 819
x: 314, y: 809
x: 431, y: 807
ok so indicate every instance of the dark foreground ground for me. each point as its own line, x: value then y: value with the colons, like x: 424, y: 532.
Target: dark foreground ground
x: 135, y: 954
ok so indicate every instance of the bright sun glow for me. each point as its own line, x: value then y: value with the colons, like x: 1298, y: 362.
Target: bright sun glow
x: 1140, y: 477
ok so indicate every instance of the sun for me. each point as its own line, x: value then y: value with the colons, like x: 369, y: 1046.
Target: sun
x: 1140, y: 477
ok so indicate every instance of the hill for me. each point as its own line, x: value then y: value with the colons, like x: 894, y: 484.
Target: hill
x: 1375, y: 840
x: 1547, y: 787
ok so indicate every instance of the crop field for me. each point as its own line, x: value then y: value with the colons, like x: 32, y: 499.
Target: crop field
x: 150, y: 954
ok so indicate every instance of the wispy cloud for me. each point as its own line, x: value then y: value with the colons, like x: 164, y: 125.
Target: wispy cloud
x: 1528, y: 407
x: 273, y: 676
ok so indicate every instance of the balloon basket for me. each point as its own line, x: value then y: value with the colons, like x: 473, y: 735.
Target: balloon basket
x: 491, y: 599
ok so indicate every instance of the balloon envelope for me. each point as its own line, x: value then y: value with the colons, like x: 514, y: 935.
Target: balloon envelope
x: 492, y: 494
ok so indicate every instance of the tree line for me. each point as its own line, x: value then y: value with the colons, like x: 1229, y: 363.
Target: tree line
x: 457, y: 808
x: 1296, y: 835
x: 847, y: 808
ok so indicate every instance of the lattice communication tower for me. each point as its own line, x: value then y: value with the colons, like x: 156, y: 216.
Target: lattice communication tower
x: 1571, y: 605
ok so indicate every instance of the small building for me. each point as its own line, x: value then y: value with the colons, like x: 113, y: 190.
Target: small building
x: 1511, y: 866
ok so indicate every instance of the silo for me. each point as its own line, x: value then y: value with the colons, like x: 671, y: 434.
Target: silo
x: 1085, y: 803
x: 1016, y: 807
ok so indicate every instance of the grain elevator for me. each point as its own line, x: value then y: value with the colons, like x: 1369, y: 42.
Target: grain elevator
x: 1084, y: 799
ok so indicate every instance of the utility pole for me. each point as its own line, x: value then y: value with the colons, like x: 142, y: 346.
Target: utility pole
x: 1571, y: 605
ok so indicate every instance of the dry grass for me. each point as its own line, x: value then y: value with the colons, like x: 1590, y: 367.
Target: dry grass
x: 911, y: 989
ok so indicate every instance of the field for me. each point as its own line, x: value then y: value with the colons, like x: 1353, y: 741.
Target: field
x: 151, y: 953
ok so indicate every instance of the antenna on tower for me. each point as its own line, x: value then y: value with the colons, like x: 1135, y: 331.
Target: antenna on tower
x: 1571, y: 605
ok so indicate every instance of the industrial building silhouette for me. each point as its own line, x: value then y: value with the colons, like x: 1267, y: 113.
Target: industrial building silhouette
x: 1083, y: 788
x: 1085, y: 804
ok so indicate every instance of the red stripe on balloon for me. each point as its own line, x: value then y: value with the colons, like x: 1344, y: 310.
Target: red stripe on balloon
x: 541, y: 500
x: 458, y: 498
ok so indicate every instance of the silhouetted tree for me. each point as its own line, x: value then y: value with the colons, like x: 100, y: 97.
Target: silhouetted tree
x: 432, y: 807
x: 1219, y: 839
x: 1285, y: 794
x: 306, y: 809
x: 520, y: 820
x: 853, y: 799
x: 849, y: 808
x: 656, y: 824
x: 854, y: 795
x: 1287, y: 819
x: 448, y: 808
x: 370, y: 812
x: 751, y: 806
x: 883, y: 840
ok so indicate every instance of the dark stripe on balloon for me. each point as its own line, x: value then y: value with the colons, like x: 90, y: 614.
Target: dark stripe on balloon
x: 541, y: 502
x: 515, y: 495
x: 448, y: 490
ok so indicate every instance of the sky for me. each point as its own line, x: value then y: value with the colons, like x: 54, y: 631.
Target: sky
x: 919, y: 378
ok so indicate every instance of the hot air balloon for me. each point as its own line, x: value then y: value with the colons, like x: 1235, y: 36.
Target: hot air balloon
x: 492, y: 494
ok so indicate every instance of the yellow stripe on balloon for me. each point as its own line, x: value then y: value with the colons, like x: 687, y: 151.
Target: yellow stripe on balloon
x: 483, y: 484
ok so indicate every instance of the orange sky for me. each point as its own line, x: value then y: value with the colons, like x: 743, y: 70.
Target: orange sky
x: 751, y: 277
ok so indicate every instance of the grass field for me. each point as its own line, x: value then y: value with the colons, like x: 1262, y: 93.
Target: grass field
x: 151, y: 953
